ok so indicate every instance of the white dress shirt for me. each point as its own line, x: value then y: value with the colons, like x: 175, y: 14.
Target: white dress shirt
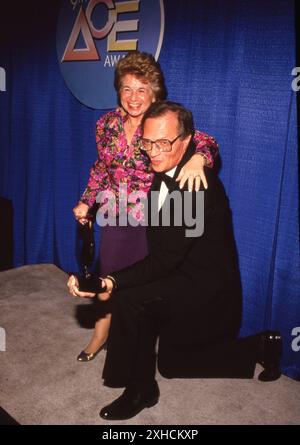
x: 164, y: 189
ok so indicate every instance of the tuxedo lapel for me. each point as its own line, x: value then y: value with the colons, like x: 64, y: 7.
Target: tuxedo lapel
x: 153, y: 197
x: 156, y: 183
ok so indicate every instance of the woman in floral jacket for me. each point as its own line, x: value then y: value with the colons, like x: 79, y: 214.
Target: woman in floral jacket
x: 139, y: 82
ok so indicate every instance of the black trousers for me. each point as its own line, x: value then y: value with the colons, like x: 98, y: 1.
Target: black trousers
x: 138, y: 318
x: 131, y: 351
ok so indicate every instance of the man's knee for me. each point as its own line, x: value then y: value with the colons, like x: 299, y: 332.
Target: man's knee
x: 136, y: 301
x: 126, y: 301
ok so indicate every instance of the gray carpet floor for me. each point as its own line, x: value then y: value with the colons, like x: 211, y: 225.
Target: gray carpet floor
x: 41, y: 383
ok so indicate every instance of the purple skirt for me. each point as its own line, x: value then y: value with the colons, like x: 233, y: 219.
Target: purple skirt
x: 120, y: 247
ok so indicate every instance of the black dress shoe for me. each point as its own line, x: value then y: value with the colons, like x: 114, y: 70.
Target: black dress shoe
x: 270, y: 350
x: 130, y: 403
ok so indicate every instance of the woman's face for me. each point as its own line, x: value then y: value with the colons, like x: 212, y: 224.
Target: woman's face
x: 136, y: 95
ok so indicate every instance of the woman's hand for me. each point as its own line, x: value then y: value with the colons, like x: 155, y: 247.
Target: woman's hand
x: 80, y: 212
x: 73, y: 288
x: 192, y: 171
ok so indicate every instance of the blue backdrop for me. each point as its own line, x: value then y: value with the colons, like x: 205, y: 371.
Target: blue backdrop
x: 230, y: 62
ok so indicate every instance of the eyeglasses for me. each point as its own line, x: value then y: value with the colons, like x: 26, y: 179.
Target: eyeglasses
x: 160, y: 144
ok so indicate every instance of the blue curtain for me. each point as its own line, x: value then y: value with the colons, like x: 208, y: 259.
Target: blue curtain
x: 230, y: 62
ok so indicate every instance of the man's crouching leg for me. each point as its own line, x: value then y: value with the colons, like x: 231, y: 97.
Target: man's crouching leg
x: 131, y: 358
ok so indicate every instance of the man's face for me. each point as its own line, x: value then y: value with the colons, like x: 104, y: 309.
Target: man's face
x: 165, y: 127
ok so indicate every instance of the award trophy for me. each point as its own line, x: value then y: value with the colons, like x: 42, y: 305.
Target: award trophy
x: 88, y: 282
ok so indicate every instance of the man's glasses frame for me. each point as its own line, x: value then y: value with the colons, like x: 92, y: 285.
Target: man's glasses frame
x: 163, y: 144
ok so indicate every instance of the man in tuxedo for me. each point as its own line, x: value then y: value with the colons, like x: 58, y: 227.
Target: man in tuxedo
x: 186, y: 291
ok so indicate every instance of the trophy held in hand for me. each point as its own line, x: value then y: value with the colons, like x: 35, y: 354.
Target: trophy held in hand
x: 88, y: 282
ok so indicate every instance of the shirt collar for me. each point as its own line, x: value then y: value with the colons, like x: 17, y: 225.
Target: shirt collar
x: 171, y: 172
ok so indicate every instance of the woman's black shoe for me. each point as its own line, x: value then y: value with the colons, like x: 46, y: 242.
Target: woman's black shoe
x: 270, y: 350
x: 85, y: 357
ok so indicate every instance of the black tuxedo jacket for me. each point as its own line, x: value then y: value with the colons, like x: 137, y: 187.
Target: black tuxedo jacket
x: 199, y: 276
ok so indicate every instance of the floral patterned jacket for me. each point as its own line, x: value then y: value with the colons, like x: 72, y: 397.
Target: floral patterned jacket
x: 119, y: 163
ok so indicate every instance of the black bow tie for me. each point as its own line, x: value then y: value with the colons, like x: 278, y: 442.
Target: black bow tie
x: 168, y: 180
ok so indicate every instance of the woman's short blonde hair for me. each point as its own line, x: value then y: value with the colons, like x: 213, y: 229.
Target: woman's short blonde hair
x: 143, y: 66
